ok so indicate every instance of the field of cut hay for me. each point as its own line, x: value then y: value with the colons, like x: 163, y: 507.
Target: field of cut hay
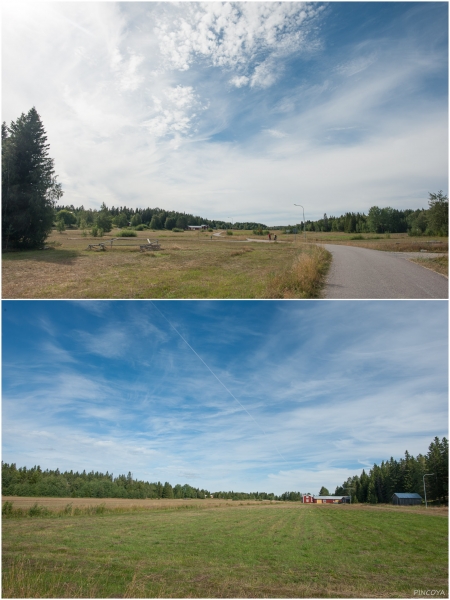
x: 223, y: 549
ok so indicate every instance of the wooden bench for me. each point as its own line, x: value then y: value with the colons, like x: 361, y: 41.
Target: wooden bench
x: 100, y: 246
x: 122, y: 241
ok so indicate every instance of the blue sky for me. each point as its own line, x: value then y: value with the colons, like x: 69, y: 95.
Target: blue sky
x: 235, y: 110
x: 243, y: 395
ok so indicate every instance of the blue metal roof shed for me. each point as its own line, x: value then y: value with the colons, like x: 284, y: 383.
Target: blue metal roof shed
x: 406, y: 499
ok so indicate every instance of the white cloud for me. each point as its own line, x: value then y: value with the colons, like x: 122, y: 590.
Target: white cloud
x: 239, y: 81
x: 275, y: 133
x: 127, y: 70
x: 235, y: 35
x: 174, y: 112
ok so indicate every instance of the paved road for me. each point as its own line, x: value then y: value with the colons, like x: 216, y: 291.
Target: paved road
x: 362, y: 273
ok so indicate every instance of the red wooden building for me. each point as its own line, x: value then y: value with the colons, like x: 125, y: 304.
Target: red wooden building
x: 308, y: 499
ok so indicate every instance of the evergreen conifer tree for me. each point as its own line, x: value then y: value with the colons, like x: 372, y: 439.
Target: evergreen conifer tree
x: 29, y: 187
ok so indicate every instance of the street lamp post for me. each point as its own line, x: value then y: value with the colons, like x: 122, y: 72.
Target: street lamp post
x: 304, y: 223
x: 425, y: 489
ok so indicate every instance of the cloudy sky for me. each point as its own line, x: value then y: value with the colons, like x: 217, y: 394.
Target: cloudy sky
x: 235, y: 110
x: 249, y: 396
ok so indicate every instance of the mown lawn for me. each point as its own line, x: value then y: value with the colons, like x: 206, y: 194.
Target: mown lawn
x: 267, y: 550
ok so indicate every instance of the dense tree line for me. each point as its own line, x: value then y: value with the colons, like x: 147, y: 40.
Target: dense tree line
x: 432, y: 221
x: 286, y: 496
x: 69, y: 484
x: 138, y: 218
x: 404, y: 475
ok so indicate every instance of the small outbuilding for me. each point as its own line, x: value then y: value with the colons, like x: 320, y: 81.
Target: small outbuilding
x: 326, y: 499
x: 406, y: 499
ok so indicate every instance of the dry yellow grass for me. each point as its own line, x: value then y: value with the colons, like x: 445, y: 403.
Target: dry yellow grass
x: 57, y: 504
x: 304, y: 278
x: 189, y: 265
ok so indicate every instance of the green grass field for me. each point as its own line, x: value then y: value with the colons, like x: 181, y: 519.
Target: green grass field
x: 234, y: 550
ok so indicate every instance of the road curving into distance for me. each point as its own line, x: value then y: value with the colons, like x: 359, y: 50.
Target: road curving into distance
x: 362, y: 273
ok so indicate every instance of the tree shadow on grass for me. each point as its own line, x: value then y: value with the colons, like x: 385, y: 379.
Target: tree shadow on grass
x: 63, y: 257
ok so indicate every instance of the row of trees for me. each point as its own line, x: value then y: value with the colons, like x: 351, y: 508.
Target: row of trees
x: 69, y: 484
x: 404, y: 475
x: 432, y: 221
x: 123, y: 216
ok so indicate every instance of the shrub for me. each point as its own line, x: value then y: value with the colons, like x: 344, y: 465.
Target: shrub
x: 127, y: 233
x: 177, y: 230
x: 94, y: 231
x: 141, y: 227
x: 7, y: 508
x: 60, y: 225
x: 229, y: 232
x: 38, y: 511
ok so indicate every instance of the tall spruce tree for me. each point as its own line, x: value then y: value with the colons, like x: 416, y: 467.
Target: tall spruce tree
x: 29, y: 186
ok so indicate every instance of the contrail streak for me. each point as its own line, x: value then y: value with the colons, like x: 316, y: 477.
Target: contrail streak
x: 213, y: 374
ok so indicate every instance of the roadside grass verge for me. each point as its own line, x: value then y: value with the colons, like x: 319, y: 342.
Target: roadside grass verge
x: 305, y: 278
x: 240, y: 551
x: 438, y: 264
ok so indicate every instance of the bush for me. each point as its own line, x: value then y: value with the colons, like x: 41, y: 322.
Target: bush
x: 38, y: 511
x: 141, y: 227
x: 127, y: 233
x: 94, y: 231
x: 177, y: 230
x: 229, y: 232
x: 7, y: 508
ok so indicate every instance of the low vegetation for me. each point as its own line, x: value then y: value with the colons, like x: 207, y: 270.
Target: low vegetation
x: 235, y: 550
x: 438, y: 264
x: 304, y: 278
x: 190, y: 265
